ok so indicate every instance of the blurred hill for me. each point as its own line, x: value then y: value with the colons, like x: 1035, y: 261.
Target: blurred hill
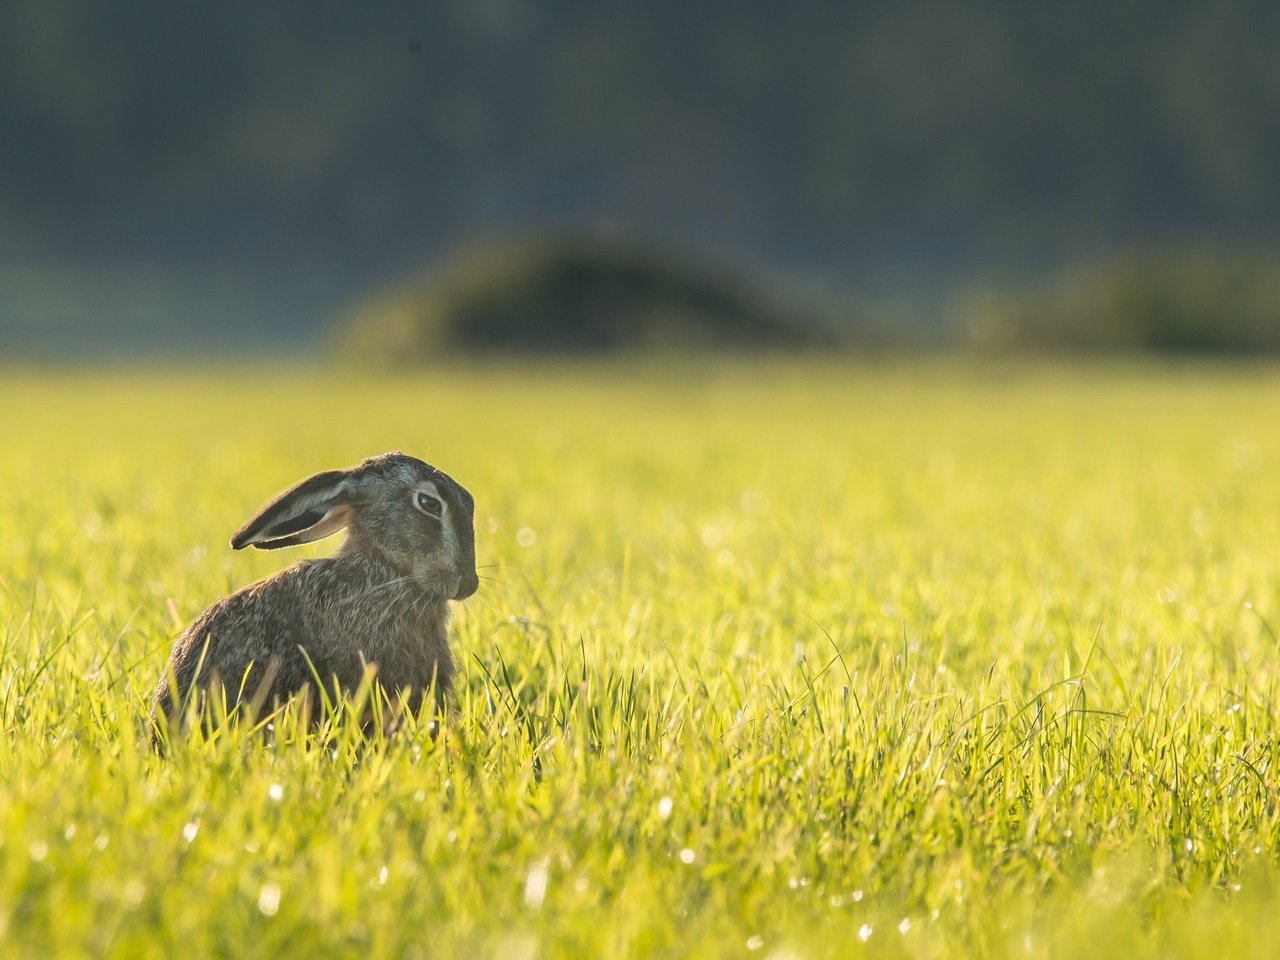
x: 234, y: 173
x: 1169, y: 301
x: 579, y: 295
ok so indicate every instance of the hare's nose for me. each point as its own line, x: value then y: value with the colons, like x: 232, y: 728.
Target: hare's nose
x: 468, y: 584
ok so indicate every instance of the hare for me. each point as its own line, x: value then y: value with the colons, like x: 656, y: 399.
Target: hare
x: 381, y: 600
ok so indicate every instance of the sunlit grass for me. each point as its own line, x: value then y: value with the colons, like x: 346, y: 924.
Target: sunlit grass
x: 808, y: 660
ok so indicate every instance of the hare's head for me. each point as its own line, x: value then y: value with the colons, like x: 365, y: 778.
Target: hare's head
x: 416, y: 518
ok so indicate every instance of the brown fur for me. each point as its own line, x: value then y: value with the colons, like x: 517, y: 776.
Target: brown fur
x: 382, y: 599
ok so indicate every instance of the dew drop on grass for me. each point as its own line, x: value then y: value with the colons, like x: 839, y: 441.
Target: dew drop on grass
x: 190, y: 830
x: 755, y: 942
x: 133, y: 892
x: 382, y: 875
x: 69, y: 832
x: 687, y: 856
x: 38, y: 850
x: 269, y: 899
x: 904, y: 925
x: 664, y: 808
x: 275, y: 792
x: 535, y: 886
x: 864, y: 932
x: 526, y: 536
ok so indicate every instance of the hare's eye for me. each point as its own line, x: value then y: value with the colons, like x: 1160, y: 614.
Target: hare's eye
x: 428, y: 504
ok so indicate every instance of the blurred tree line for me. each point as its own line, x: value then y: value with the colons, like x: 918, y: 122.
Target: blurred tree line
x: 856, y: 142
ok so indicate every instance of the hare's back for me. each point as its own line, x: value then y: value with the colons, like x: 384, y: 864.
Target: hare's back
x: 275, y: 630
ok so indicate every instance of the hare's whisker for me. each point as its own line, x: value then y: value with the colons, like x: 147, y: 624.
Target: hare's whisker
x: 378, y: 587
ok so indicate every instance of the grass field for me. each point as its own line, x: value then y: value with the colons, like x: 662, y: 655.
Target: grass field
x: 810, y: 660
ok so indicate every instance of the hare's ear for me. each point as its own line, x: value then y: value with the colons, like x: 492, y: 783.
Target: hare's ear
x: 316, y: 508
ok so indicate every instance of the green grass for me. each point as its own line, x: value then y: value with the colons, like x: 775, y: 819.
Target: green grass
x: 811, y: 661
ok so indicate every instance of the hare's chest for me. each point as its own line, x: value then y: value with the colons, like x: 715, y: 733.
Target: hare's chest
x: 407, y: 651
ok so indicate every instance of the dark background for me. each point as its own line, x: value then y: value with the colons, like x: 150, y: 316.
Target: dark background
x: 233, y: 176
